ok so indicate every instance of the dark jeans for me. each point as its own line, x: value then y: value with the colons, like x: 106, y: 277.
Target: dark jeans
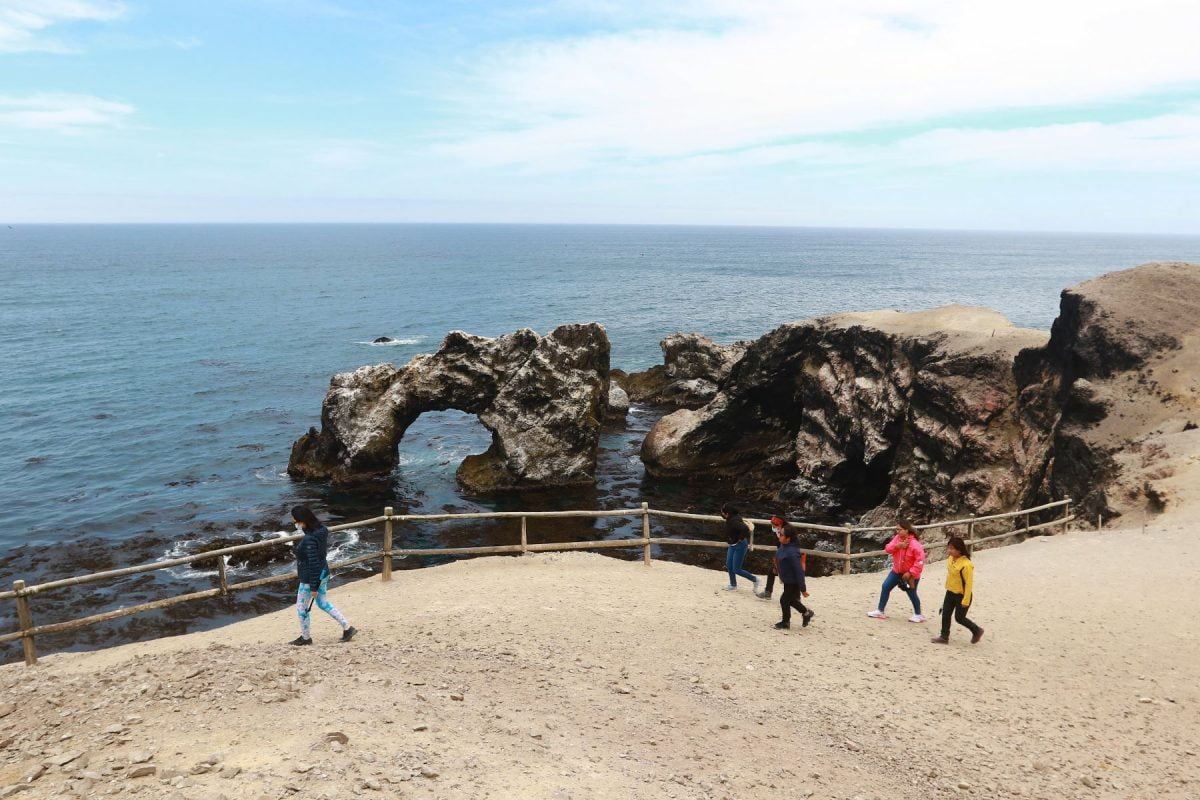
x: 891, y: 582
x: 734, y: 557
x: 952, y: 606
x: 770, y: 582
x: 791, y: 599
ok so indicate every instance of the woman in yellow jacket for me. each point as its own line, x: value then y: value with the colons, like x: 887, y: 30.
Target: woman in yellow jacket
x: 960, y: 579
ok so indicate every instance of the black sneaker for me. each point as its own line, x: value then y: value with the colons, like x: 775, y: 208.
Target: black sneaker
x: 348, y: 634
x: 782, y: 626
x: 300, y: 641
x: 807, y: 618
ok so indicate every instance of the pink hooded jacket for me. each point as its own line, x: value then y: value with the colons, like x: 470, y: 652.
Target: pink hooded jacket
x: 906, y: 559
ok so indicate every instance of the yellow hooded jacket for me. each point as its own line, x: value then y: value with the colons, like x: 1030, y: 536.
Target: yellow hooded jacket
x: 960, y: 578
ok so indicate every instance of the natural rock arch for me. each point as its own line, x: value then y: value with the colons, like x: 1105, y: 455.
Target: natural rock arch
x: 542, y: 398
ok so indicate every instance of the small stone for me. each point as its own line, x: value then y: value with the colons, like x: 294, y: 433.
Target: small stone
x: 116, y: 728
x: 231, y: 772
x: 302, y: 768
x: 139, y: 757
x: 853, y: 747
x: 1145, y: 700
x: 428, y: 772
x: 1088, y: 781
x: 339, y: 737
x: 7, y: 708
x: 371, y: 783
x: 64, y: 758
x: 419, y: 728
x: 214, y: 759
x: 33, y: 774
x: 245, y: 687
x: 457, y: 697
x: 141, y: 771
x: 964, y: 785
x: 9, y: 791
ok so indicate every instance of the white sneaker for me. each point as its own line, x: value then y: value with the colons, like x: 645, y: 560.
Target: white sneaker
x: 729, y: 588
x: 876, y: 614
x: 917, y: 618
x: 756, y: 582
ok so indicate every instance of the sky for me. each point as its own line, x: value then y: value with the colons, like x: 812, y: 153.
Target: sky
x: 1014, y: 115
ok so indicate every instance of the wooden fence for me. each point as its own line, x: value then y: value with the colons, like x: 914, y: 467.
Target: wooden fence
x: 28, y: 631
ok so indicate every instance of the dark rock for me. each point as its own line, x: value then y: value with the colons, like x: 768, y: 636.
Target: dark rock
x: 382, y: 340
x: 543, y: 399
x: 914, y: 412
x: 692, y: 369
x: 254, y: 559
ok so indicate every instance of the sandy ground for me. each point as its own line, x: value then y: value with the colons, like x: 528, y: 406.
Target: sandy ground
x: 580, y: 676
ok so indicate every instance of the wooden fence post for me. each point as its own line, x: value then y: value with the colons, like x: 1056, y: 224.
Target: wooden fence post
x: 524, y: 537
x: 646, y: 534
x: 1066, y: 525
x: 222, y: 578
x: 846, y: 549
x: 387, y: 544
x: 26, y: 621
x: 971, y: 531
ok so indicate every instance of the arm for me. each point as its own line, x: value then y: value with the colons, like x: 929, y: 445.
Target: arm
x: 918, y: 559
x: 968, y: 579
x: 893, y: 545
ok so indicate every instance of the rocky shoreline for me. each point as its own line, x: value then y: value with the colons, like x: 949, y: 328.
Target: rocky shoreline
x: 947, y: 412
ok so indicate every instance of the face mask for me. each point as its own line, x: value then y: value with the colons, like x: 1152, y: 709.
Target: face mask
x: 299, y: 528
x: 777, y: 531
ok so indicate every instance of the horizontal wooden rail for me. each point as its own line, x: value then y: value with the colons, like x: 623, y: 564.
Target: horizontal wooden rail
x: 28, y: 631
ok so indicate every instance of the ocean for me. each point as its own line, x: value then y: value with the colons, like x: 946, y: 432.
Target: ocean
x: 155, y: 376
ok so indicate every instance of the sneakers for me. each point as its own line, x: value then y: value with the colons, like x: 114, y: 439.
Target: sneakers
x: 756, y: 582
x: 940, y: 640
x: 782, y: 626
x: 917, y: 618
x: 299, y: 642
x: 876, y: 614
x: 807, y: 618
x: 763, y: 595
x: 348, y: 634
x: 975, y: 639
x: 729, y: 588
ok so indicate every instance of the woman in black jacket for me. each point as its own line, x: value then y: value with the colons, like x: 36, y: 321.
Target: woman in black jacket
x: 791, y: 575
x: 313, y: 570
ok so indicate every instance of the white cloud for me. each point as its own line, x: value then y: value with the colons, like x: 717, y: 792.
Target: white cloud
x: 64, y: 113
x: 22, y: 22
x: 747, y: 73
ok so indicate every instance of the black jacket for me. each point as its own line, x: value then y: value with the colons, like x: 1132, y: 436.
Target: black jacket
x: 310, y: 556
x: 735, y: 529
x: 790, y: 568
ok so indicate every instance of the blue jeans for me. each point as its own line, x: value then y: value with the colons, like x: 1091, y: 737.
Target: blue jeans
x: 891, y: 582
x: 733, y: 562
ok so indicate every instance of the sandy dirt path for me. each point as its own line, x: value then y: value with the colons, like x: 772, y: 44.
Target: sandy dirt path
x: 579, y: 676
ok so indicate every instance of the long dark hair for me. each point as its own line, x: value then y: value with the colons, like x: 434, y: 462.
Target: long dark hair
x: 730, y: 509
x: 958, y: 544
x: 908, y: 526
x: 305, y: 516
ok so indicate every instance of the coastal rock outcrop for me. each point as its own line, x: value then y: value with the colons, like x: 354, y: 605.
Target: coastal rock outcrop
x: 542, y: 397
x: 692, y: 369
x: 955, y: 411
x: 858, y: 411
x: 1122, y: 371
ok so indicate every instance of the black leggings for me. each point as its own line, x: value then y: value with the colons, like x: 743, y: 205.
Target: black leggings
x: 791, y: 599
x: 952, y: 606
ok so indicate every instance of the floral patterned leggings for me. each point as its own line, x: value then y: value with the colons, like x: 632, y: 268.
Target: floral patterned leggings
x: 304, y: 601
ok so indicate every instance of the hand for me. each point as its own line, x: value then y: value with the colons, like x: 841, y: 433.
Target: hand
x: 804, y: 594
x: 908, y: 578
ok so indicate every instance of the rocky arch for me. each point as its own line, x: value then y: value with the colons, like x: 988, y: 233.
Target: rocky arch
x: 542, y: 397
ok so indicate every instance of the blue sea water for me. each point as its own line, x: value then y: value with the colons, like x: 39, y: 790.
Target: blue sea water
x: 158, y: 373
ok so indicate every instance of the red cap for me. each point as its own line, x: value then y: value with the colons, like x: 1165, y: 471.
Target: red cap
x: 777, y: 522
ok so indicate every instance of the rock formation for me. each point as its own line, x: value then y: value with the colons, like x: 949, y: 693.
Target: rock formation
x: 856, y: 411
x: 543, y: 399
x: 1122, y: 371
x: 955, y: 411
x: 693, y: 366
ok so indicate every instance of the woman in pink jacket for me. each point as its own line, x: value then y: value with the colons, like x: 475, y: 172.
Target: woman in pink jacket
x: 908, y: 560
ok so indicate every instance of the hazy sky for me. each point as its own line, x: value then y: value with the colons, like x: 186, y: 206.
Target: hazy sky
x: 1046, y: 115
